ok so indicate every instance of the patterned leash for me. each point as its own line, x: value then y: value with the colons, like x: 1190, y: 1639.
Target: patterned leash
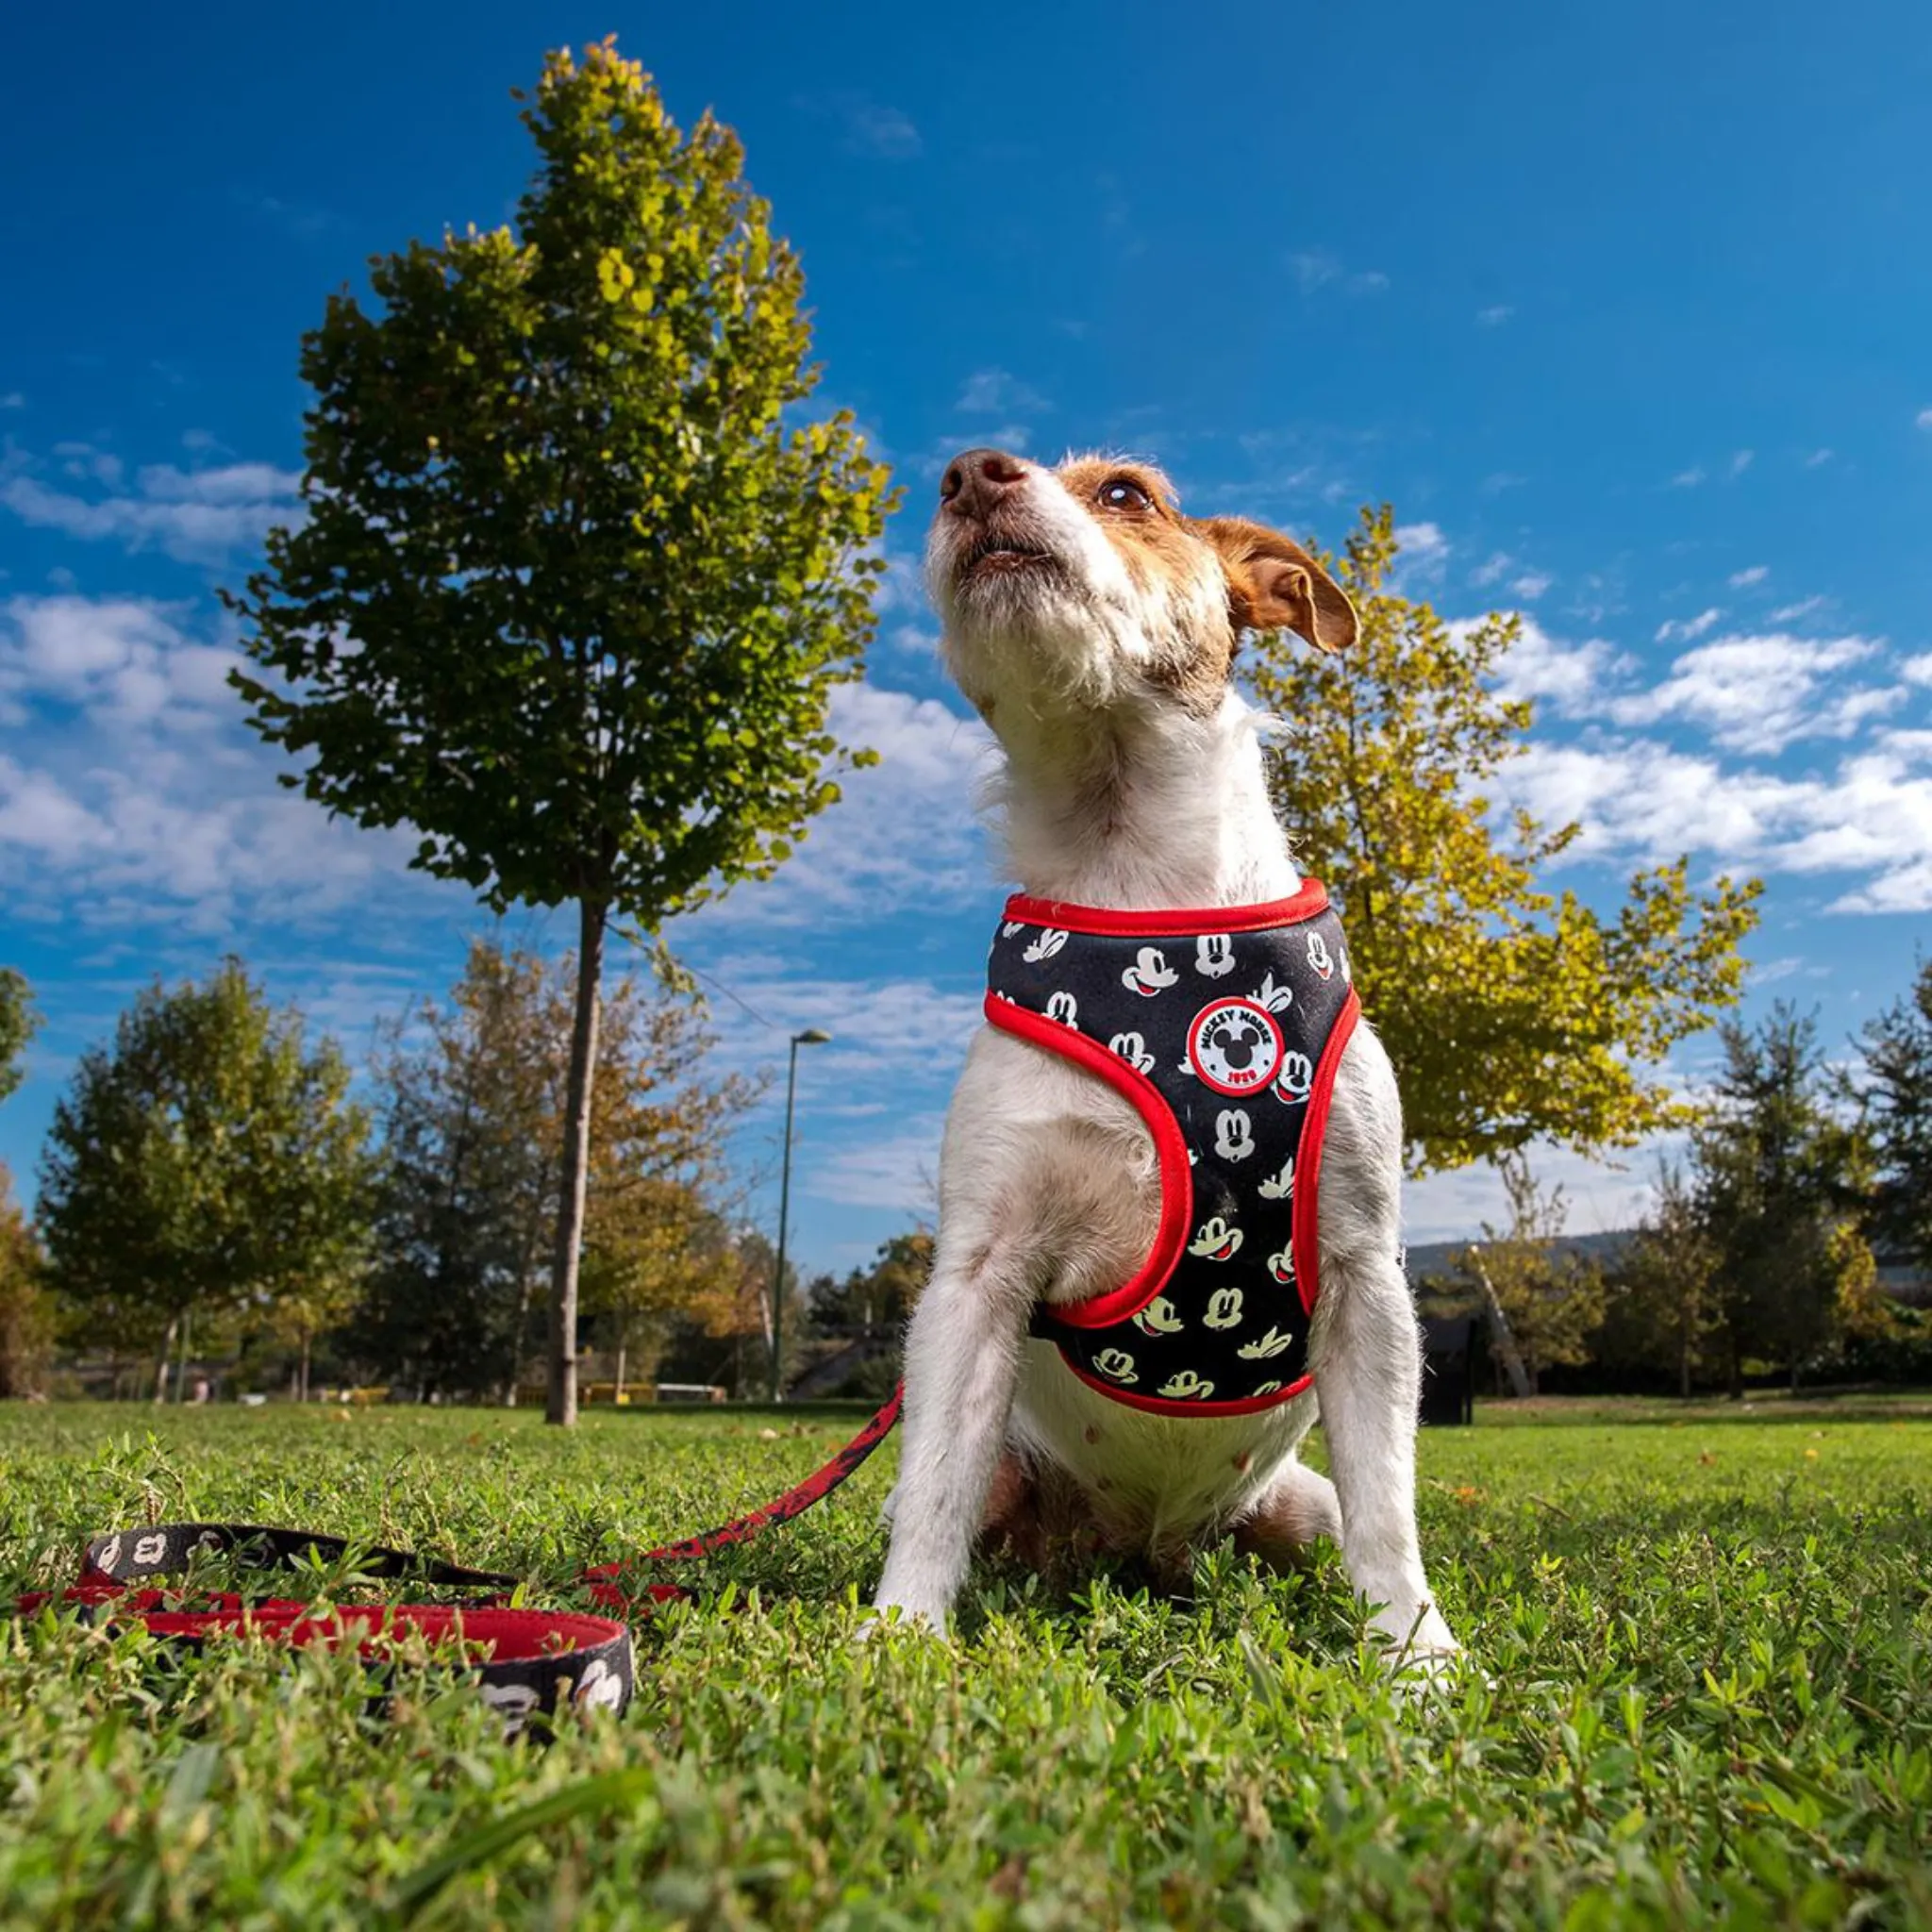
x: 526, y: 1662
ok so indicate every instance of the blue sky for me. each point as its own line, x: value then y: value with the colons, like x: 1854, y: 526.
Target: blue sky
x: 1628, y: 311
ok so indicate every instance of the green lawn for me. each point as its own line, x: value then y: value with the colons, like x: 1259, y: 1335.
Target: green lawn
x: 1707, y: 1649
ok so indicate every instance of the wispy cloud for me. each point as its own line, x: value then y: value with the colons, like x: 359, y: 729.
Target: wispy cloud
x: 1316, y: 268
x: 867, y: 127
x: 1494, y: 317
x: 1743, y: 579
x: 196, y: 516
x: 1923, y: 420
x: 993, y: 393
x: 1686, y: 479
x: 1423, y: 549
x: 1762, y: 693
x: 1818, y: 458
x: 1531, y: 584
x: 1687, y: 627
x: 14, y: 399
x: 1742, y: 461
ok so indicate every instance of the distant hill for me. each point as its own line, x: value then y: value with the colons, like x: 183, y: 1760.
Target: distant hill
x: 1439, y: 1258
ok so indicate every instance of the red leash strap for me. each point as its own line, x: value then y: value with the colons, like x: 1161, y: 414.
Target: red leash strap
x: 526, y: 1662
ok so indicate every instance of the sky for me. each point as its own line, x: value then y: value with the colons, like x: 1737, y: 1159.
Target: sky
x: 1627, y: 311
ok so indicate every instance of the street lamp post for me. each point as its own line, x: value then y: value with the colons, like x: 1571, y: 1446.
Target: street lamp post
x: 810, y: 1037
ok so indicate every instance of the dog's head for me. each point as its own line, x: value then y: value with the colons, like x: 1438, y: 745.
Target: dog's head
x: 1083, y: 587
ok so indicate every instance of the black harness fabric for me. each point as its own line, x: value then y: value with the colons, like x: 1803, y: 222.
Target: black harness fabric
x: 1222, y: 1033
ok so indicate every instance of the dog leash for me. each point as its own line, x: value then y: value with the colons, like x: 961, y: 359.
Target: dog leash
x: 525, y: 1662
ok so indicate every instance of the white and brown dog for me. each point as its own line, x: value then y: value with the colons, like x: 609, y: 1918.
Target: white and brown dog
x: 1094, y: 629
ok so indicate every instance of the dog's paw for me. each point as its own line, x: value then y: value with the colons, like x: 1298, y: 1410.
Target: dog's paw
x: 885, y: 1617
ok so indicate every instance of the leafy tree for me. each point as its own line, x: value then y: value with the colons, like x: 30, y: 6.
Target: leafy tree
x: 473, y: 1093
x: 882, y: 1294
x: 576, y: 581
x: 1897, y: 1092
x: 1779, y: 1182
x: 26, y: 1319
x: 208, y: 1159
x: 18, y: 1023
x: 1512, y: 1012
x: 1662, y: 1292
x: 1551, y: 1301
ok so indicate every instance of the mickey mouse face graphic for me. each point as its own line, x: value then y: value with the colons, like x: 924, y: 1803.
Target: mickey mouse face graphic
x: 1149, y: 973
x: 1117, y: 1365
x: 1323, y: 966
x: 1216, y: 1239
x: 1235, y: 1046
x: 1186, y: 1387
x: 1214, y: 954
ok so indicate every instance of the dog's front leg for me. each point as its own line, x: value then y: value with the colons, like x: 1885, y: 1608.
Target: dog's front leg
x: 963, y: 1361
x: 1367, y: 1353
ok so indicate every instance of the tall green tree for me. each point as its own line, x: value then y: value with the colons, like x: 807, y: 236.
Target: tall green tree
x: 18, y: 1024
x: 1780, y: 1182
x: 1662, y: 1302
x: 1895, y: 1088
x: 1545, y: 1301
x: 577, y: 579
x: 473, y: 1095
x: 1513, y: 1012
x: 26, y: 1319
x: 210, y: 1159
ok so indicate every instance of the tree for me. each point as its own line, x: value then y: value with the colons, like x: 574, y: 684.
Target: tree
x: 1550, y: 1303
x: 1512, y: 1012
x: 473, y: 1094
x: 575, y: 582
x: 1779, y: 1181
x: 1662, y: 1294
x: 18, y: 1024
x: 26, y: 1321
x: 1896, y: 1097
x: 210, y: 1159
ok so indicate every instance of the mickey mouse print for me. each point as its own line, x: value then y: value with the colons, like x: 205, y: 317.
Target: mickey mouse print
x: 1223, y: 1028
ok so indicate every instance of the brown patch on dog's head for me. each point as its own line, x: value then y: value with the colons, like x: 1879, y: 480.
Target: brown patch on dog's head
x: 1274, y: 584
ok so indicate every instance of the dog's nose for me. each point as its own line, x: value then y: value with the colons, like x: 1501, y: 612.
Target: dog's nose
x: 977, y: 479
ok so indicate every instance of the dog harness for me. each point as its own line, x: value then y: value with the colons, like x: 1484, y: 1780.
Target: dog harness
x: 1224, y: 1027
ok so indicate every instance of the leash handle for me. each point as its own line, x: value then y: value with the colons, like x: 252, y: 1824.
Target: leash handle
x: 527, y: 1661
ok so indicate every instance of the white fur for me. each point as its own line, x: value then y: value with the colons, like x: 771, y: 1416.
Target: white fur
x: 1114, y: 795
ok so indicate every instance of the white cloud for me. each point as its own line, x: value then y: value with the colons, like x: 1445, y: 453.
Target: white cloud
x: 1686, y: 479
x: 1640, y: 800
x: 1743, y: 579
x: 12, y: 399
x: 1791, y: 613
x: 138, y: 791
x: 1818, y: 458
x: 1316, y: 268
x: 1531, y: 584
x: 1539, y: 666
x: 1492, y: 571
x: 1761, y: 693
x: 875, y: 129
x: 1740, y: 461
x: 1687, y: 627
x: 1924, y: 419
x: 904, y: 833
x: 1424, y: 548
x: 993, y: 393
x: 195, y: 516
x: 1601, y: 1195
x: 1917, y: 669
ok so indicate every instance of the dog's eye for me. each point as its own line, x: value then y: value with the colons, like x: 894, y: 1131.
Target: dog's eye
x: 1122, y: 492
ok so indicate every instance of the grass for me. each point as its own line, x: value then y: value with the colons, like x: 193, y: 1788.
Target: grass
x: 1706, y: 1693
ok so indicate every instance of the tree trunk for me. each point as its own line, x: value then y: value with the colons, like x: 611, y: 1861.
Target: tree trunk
x: 1499, y: 1326
x: 304, y: 1368
x: 623, y: 1349
x: 562, y: 1407
x: 162, y: 1362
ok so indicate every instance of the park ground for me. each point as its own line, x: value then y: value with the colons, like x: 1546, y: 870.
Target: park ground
x: 1706, y: 1693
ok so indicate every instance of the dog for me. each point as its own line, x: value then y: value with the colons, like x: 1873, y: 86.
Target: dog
x: 1094, y: 629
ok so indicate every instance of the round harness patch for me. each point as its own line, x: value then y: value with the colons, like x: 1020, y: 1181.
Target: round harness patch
x: 1235, y: 1046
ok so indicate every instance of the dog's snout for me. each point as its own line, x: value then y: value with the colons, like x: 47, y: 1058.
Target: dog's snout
x: 978, y: 479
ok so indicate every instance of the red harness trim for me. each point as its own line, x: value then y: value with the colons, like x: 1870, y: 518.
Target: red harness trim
x: 1310, y: 898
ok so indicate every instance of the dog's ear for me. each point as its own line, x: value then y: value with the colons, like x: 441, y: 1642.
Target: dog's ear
x: 1272, y: 584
